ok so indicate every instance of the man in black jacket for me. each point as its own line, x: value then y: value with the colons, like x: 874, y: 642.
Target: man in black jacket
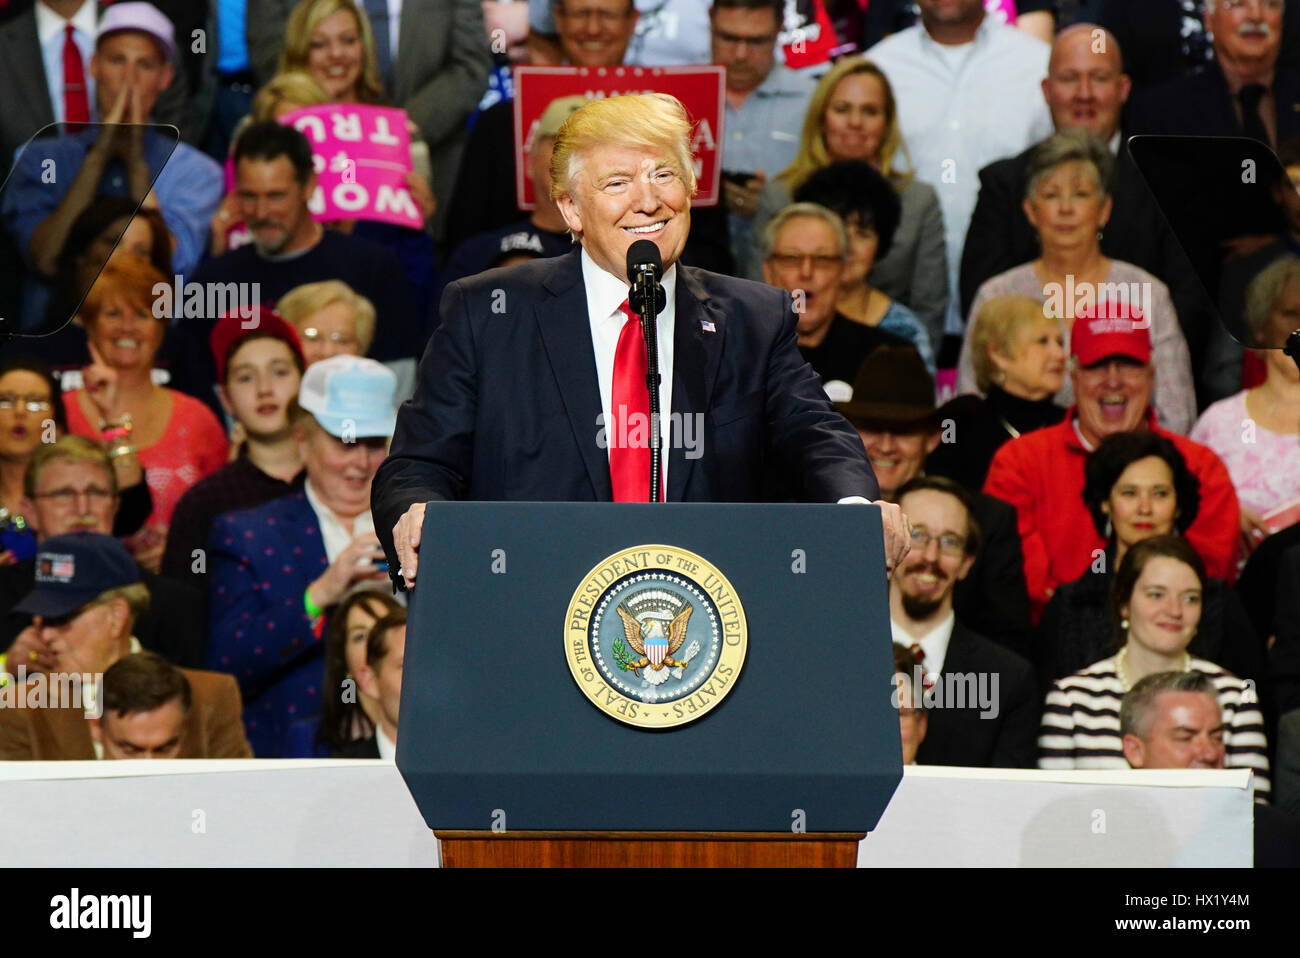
x: 980, y: 698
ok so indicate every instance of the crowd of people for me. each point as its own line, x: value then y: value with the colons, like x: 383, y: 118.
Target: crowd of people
x: 1103, y: 487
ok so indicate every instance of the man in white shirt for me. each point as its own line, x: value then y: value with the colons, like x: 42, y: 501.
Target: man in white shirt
x: 538, y: 397
x: 968, y: 93
x: 980, y: 697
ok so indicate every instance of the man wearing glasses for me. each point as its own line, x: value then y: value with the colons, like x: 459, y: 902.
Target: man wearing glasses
x: 72, y: 488
x: 765, y: 105
x: 981, y: 699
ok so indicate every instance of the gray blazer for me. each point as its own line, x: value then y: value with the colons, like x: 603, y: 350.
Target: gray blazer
x: 441, y: 73
x: 26, y: 97
x: 915, y: 271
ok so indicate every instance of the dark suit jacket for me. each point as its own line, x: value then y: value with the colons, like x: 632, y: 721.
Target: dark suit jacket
x: 1201, y: 105
x: 361, y: 748
x: 173, y: 627
x: 212, y: 729
x: 959, y: 736
x: 993, y: 599
x: 507, y: 402
x: 260, y: 561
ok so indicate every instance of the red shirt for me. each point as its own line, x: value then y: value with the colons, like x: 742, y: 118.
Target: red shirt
x: 1041, y: 474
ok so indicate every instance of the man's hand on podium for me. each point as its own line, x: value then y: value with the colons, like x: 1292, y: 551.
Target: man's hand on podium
x: 406, y: 542
x: 898, y: 534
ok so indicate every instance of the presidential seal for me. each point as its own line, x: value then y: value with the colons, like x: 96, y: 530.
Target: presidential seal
x: 656, y: 636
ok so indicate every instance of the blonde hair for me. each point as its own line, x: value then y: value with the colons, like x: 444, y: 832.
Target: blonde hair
x: 652, y: 121
x: 296, y: 87
x: 999, y: 326
x: 302, y: 301
x: 895, y: 163
x: 1263, y: 293
x: 303, y: 21
x: 68, y: 448
x: 811, y: 210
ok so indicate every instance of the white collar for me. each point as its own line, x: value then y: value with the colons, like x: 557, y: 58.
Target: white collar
x: 325, y: 514
x: 982, y: 35
x: 606, y: 292
x: 49, y: 24
x: 933, y: 643
x: 387, y: 747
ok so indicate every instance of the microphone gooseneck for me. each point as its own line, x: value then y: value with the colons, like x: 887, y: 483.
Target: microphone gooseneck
x: 646, y: 297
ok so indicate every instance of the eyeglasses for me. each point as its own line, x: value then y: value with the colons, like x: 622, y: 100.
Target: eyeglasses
x: 793, y: 261
x: 949, y: 544
x: 731, y: 40
x: 30, y: 403
x: 1269, y: 6
x: 314, y: 335
x: 67, y: 498
x: 606, y: 18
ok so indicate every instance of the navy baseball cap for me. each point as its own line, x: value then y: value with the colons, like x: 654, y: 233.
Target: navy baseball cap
x: 75, y: 569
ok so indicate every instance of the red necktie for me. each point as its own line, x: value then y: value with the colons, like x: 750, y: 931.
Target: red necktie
x: 629, y: 431
x: 76, y: 106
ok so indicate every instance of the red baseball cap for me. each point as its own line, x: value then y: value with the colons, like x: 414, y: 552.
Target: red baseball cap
x: 1113, y: 329
x: 232, y: 328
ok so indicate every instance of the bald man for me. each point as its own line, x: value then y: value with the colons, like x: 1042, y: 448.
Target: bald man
x: 1085, y: 89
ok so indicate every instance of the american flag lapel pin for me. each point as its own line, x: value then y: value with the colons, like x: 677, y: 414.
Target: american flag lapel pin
x: 707, y: 326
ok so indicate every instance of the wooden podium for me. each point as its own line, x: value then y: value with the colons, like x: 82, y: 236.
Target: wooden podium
x: 513, y: 763
x: 485, y: 849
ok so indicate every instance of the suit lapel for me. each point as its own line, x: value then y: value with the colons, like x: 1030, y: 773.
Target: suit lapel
x: 696, y: 353
x: 566, y: 334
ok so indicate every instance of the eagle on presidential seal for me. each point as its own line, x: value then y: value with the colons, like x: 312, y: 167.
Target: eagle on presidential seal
x: 654, y: 622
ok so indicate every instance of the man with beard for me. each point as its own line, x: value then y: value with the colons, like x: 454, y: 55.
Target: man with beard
x: 980, y: 697
x: 274, y: 180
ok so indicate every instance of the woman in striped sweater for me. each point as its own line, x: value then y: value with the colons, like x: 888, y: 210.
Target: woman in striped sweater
x: 1158, y: 591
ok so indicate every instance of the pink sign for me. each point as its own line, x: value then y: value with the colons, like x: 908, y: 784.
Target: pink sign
x: 700, y: 90
x: 361, y: 155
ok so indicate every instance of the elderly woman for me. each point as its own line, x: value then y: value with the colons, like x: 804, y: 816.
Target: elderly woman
x: 1019, y: 359
x: 853, y: 116
x: 1136, y: 486
x: 177, y: 439
x: 870, y: 209
x: 329, y: 318
x: 1257, y: 431
x: 1067, y: 203
x: 1157, y: 597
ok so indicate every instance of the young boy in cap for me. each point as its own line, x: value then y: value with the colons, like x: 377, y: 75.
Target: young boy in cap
x: 277, y: 569
x: 87, y: 598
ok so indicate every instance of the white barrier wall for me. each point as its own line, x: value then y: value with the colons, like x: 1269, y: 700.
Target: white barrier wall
x: 306, y: 813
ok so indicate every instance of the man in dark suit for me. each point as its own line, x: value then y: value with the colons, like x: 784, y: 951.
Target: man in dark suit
x: 87, y: 598
x: 1085, y: 89
x: 981, y: 699
x: 1243, y: 91
x: 72, y: 488
x: 892, y: 408
x: 539, y: 396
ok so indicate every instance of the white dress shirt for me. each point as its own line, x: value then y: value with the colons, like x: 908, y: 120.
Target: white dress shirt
x: 934, y: 643
x: 394, y: 28
x: 605, y: 293
x: 961, y: 107
x: 387, y: 747
x: 332, y: 530
x: 50, y: 32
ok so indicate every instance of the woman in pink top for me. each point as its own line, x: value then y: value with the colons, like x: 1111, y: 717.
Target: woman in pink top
x: 1257, y: 432
x: 177, y: 439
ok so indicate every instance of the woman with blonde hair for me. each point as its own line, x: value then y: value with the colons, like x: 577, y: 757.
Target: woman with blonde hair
x: 853, y: 115
x: 330, y: 319
x: 332, y: 41
x: 1018, y: 356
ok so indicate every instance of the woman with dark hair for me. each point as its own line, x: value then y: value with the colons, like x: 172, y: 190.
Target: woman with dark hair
x: 870, y: 210
x: 347, y: 713
x: 1137, y: 486
x: 1157, y: 599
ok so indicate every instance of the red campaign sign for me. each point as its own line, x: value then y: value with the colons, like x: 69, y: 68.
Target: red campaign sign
x: 699, y: 88
x: 361, y: 155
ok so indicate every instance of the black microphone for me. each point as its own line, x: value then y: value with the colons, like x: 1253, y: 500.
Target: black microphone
x: 644, y: 268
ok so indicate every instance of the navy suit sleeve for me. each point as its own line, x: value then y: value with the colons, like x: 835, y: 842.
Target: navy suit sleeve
x: 432, y: 451
x: 817, y: 444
